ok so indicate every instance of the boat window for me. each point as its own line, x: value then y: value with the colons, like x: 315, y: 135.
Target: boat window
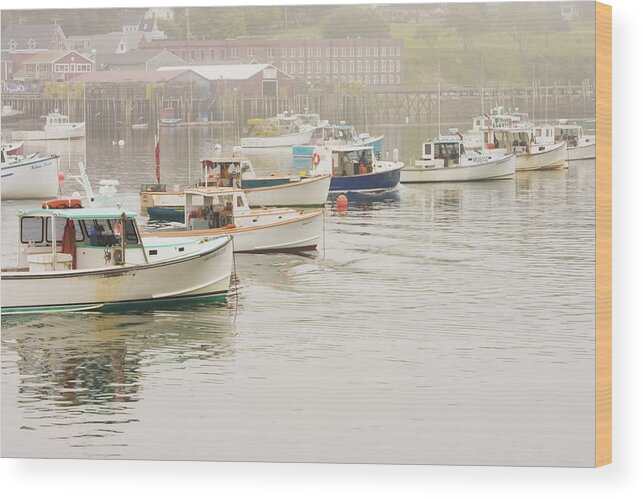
x: 427, y: 149
x: 60, y: 228
x: 240, y: 202
x: 130, y: 232
x: 31, y: 229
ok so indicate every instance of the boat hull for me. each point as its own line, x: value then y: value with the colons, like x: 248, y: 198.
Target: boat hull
x: 368, y: 182
x: 309, y: 191
x: 581, y: 152
x: 502, y: 168
x: 34, y: 178
x: 544, y: 158
x: 202, y: 273
x: 287, y: 140
x: 75, y: 132
x: 295, y: 234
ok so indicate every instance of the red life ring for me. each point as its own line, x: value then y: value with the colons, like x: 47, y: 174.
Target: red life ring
x: 316, y: 159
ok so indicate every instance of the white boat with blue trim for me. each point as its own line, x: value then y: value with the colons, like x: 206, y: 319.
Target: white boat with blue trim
x: 28, y: 177
x: 276, y: 189
x: 446, y: 160
x: 74, y: 258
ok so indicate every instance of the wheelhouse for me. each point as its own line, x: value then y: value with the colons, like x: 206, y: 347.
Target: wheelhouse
x: 77, y: 238
x: 213, y: 207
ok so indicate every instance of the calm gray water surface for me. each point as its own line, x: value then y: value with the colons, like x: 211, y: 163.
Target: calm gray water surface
x: 449, y: 323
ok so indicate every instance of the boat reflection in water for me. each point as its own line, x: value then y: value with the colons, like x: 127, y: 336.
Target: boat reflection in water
x: 80, y: 377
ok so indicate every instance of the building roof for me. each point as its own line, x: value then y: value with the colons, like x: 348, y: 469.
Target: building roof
x: 52, y: 56
x: 134, y: 57
x: 42, y: 34
x: 224, y: 71
x: 128, y: 76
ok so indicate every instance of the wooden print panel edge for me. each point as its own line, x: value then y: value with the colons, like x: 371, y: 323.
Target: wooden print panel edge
x: 603, y: 234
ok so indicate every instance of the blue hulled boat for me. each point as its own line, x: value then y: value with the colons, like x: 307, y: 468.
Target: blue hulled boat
x: 356, y: 169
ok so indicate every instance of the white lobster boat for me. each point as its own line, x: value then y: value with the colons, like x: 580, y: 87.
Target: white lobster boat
x: 31, y: 177
x: 285, y: 130
x: 72, y: 259
x: 269, y: 190
x: 579, y: 145
x: 446, y: 160
x: 57, y: 127
x: 529, y: 154
x: 211, y: 211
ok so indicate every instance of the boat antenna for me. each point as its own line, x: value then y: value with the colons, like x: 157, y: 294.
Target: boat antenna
x: 481, y: 83
x: 84, y: 119
x: 439, y: 110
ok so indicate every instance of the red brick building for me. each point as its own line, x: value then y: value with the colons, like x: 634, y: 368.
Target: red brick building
x: 373, y: 61
x: 54, y: 66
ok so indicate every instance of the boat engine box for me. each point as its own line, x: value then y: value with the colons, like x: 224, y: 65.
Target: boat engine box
x: 44, y: 262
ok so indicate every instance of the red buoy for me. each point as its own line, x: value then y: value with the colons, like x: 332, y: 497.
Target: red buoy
x: 61, y: 178
x: 342, y: 203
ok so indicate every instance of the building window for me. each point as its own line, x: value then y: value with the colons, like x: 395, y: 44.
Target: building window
x: 13, y: 44
x: 359, y: 51
x: 234, y: 53
x: 374, y: 79
x: 58, y: 68
x: 335, y: 52
x: 391, y: 51
x: 359, y: 66
x: 391, y: 66
x: 327, y: 66
x: 367, y: 79
x: 192, y: 55
x: 269, y: 52
x: 251, y: 52
x: 351, y: 52
x: 343, y: 51
x: 351, y: 66
x: 397, y: 79
x: 301, y: 67
x: 343, y: 66
x: 367, y: 52
x: 374, y: 52
x: 367, y: 66
x: 383, y: 52
x: 375, y: 70
x: 318, y: 52
x: 391, y: 79
x: 334, y: 66
x: 309, y: 67
x: 284, y: 66
x: 292, y: 67
x: 397, y: 51
x: 327, y: 51
x: 32, y: 44
x: 318, y: 66
x: 293, y: 52
x: 284, y: 53
x: 397, y: 66
x: 310, y: 51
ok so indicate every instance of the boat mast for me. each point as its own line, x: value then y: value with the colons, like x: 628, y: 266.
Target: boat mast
x: 439, y: 95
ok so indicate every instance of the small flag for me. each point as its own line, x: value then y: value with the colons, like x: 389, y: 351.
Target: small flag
x: 157, y: 157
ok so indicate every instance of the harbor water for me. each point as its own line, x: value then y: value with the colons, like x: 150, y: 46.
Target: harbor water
x: 440, y: 323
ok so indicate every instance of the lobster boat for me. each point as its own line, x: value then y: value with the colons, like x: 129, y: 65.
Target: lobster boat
x: 213, y: 211
x: 72, y: 258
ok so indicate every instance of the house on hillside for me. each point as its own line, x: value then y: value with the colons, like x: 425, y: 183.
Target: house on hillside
x: 54, y: 66
x: 112, y: 43
x: 31, y: 38
x: 244, y: 80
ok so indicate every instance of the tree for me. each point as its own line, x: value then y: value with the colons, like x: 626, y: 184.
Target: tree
x: 353, y: 22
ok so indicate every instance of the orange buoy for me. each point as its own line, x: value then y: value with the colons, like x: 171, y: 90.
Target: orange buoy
x: 342, y: 203
x: 231, y: 226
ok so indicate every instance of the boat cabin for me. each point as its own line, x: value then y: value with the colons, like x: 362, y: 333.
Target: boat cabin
x: 347, y: 161
x: 214, y: 207
x: 56, y: 118
x: 514, y: 141
x: 571, y: 133
x: 225, y: 172
x: 447, y: 150
x: 58, y: 238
